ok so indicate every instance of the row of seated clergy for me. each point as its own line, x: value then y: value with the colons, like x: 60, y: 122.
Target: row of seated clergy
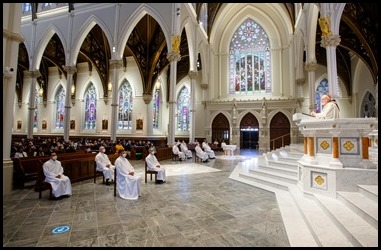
x: 176, y: 151
x: 201, y: 153
x: 208, y: 150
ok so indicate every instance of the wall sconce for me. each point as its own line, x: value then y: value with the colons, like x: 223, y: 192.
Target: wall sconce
x: 41, y: 92
x: 109, y: 86
x: 157, y: 86
x: 72, y: 89
x: 178, y: 12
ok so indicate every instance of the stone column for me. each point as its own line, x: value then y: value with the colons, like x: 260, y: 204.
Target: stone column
x: 114, y: 66
x: 173, y: 57
x: 32, y: 101
x: 330, y: 41
x: 192, y: 131
x: 311, y: 68
x: 71, y: 70
x: 335, y: 162
x: 305, y: 146
x: 147, y: 98
x: 11, y: 41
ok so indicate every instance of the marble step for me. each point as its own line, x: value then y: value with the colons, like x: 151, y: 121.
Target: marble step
x: 353, y: 226
x: 284, y: 170
x: 290, y: 177
x: 269, y: 182
x: 282, y: 163
x: 370, y: 191
x: 323, y: 229
x: 361, y: 205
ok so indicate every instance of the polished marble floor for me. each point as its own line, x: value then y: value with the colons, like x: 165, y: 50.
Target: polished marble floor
x: 200, y: 208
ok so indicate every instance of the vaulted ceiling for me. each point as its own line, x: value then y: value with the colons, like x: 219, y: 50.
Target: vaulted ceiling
x: 147, y: 45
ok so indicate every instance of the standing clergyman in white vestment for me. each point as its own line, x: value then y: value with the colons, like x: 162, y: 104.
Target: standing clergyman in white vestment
x: 127, y: 181
x: 53, y: 171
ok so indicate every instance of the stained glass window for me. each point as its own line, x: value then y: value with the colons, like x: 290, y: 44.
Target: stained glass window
x: 204, y: 16
x: 156, y: 109
x: 183, y: 101
x: 60, y: 107
x: 125, y: 106
x: 249, y: 60
x: 90, y: 107
x: 35, y: 115
x: 321, y: 90
x: 368, y: 106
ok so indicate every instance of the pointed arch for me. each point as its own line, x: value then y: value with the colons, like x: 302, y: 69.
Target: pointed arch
x: 125, y: 104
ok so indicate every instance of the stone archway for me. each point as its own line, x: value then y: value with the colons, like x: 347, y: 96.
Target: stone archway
x: 220, y: 129
x: 280, y: 130
x: 249, y: 132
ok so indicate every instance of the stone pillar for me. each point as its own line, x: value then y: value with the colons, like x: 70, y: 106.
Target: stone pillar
x: 114, y: 66
x: 311, y: 68
x: 32, y: 101
x: 192, y: 131
x: 330, y: 41
x: 147, y: 98
x: 173, y: 57
x: 311, y: 148
x: 11, y: 41
x: 365, y: 148
x: 71, y: 70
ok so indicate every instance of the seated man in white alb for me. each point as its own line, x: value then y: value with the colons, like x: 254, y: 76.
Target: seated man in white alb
x: 201, y: 153
x: 104, y: 165
x: 208, y: 150
x: 53, y: 171
x: 154, y: 165
x: 176, y: 151
x: 187, y: 152
x: 127, y: 182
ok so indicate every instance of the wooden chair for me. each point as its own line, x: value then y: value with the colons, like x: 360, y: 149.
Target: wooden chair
x: 149, y: 172
x: 115, y: 182
x: 97, y: 173
x: 196, y: 159
x: 175, y: 157
x: 41, y: 185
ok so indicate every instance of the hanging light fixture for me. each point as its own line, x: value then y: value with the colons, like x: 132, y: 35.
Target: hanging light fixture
x: 41, y: 91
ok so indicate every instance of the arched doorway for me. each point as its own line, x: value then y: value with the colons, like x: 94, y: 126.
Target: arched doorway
x: 220, y: 129
x: 279, y: 131
x: 249, y: 128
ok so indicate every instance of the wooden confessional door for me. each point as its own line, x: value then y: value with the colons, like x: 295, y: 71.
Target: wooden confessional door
x: 220, y: 129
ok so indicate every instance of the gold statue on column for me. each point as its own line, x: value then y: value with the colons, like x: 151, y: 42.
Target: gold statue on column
x: 176, y: 43
x: 325, y: 26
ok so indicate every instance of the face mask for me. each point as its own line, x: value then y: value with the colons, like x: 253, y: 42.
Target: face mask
x: 152, y: 153
x: 103, y: 150
x: 124, y: 155
x: 54, y: 157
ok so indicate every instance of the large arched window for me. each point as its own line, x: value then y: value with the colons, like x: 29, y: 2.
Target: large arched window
x: 321, y: 90
x: 60, y: 107
x: 125, y: 106
x: 249, y: 60
x: 90, y: 107
x: 183, y: 109
x: 368, y: 106
x: 156, y: 108
x: 204, y: 16
x: 35, y: 115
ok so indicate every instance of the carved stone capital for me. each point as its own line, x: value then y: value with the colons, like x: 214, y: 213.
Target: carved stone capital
x: 116, y: 64
x: 70, y: 69
x: 147, y: 98
x: 173, y: 56
x: 332, y: 40
x: 311, y: 67
x: 204, y: 86
x: 192, y: 75
x: 300, y: 81
x: 33, y: 74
